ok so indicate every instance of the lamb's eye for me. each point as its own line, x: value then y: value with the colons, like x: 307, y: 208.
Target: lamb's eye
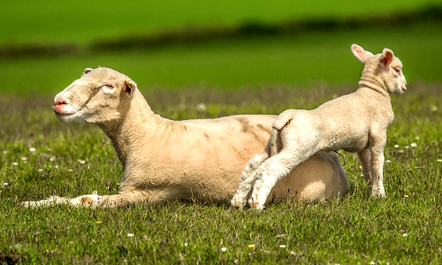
x: 398, y: 70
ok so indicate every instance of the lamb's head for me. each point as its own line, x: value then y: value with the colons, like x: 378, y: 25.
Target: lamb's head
x: 100, y: 95
x: 385, y: 69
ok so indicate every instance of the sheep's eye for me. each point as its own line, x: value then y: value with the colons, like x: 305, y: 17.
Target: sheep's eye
x: 397, y: 70
x: 109, y: 86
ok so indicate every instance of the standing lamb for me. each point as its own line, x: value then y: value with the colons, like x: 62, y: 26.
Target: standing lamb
x: 165, y: 160
x: 356, y: 122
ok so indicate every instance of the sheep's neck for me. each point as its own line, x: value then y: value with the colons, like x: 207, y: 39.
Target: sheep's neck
x: 124, y: 135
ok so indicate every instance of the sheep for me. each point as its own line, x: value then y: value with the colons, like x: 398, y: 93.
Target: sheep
x: 356, y: 122
x: 165, y: 160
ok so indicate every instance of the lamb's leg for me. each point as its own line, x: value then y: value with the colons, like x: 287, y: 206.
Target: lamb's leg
x: 93, y: 200
x: 377, y: 165
x: 272, y: 170
x: 248, y: 178
x: 365, y: 159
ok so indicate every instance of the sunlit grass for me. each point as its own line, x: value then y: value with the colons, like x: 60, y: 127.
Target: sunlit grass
x: 40, y: 157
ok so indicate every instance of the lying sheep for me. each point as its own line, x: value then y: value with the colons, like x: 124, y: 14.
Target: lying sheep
x: 165, y: 160
x: 356, y: 122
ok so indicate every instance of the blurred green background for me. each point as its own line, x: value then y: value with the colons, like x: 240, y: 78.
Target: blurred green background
x: 45, y: 45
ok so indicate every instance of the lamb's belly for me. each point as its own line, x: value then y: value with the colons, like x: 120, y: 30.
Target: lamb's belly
x: 356, y: 145
x: 353, y: 144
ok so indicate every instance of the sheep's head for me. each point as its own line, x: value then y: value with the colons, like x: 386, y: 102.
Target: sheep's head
x: 383, y: 67
x: 99, y: 96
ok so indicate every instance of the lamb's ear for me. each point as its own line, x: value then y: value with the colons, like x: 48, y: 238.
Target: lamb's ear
x: 87, y: 70
x: 130, y: 87
x: 361, y: 54
x: 387, y: 56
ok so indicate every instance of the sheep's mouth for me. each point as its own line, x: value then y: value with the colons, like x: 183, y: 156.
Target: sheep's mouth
x: 62, y: 113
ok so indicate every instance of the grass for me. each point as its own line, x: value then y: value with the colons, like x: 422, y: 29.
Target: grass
x: 85, y: 21
x: 40, y: 157
x: 230, y: 64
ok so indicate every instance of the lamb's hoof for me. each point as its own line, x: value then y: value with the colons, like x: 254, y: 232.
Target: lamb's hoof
x: 378, y: 195
x: 237, y: 203
x: 255, y: 204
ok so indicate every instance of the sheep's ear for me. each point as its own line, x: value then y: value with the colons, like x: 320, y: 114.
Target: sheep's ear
x: 387, y: 56
x: 87, y: 71
x: 361, y: 54
x: 130, y: 87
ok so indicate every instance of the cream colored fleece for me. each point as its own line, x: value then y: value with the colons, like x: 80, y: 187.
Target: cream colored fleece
x: 165, y: 160
x: 356, y: 122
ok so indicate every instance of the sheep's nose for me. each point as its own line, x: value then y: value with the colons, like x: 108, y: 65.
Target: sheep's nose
x: 58, y: 102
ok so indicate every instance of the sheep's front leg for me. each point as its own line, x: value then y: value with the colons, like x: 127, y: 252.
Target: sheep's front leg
x: 93, y: 200
x: 51, y: 201
x: 248, y: 178
x: 365, y: 159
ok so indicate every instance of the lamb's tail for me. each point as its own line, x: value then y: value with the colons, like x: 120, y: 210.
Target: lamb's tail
x: 274, y: 137
x: 281, y: 121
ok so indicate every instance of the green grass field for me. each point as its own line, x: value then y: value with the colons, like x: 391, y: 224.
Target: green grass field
x: 40, y: 157
x: 84, y: 21
x: 230, y: 64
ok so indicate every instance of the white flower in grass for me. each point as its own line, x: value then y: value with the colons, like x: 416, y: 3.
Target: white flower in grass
x: 52, y: 159
x: 14, y: 163
x: 23, y: 158
x: 387, y: 161
x: 404, y: 234
x: 186, y: 244
x: 406, y: 196
x: 201, y: 107
x: 406, y: 147
x: 130, y: 235
x: 433, y: 108
x: 439, y: 160
x: 5, y: 183
x: 223, y: 249
x: 40, y: 170
x: 282, y: 246
x: 32, y: 149
x: 372, y: 262
x: 396, y: 146
x: 413, y: 145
